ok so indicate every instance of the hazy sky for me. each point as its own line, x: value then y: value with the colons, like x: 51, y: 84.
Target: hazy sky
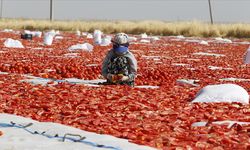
x: 168, y: 10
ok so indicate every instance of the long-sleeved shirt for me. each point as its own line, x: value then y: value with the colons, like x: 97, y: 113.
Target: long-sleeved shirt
x: 131, y: 61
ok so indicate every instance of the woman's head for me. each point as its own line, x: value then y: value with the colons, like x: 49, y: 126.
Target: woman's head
x: 120, y: 43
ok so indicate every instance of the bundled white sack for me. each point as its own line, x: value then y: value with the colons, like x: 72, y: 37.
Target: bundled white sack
x: 97, y: 37
x: 155, y: 38
x: 89, y: 36
x: 48, y: 38
x: 203, y: 42
x: 27, y: 32
x: 54, y: 33
x: 8, y: 30
x: 223, y: 40
x: 33, y: 33
x: 247, y: 56
x: 106, y: 41
x: 59, y: 37
x: 78, y: 33
x: 37, y: 34
x: 222, y: 93
x: 144, y: 36
x: 180, y: 37
x: 13, y: 43
x: 85, y: 46
x: 85, y: 33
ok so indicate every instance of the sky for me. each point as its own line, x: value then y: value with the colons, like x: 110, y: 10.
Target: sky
x: 167, y: 10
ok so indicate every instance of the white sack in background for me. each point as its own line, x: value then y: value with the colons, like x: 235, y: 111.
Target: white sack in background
x: 34, y: 33
x: 89, y: 36
x: 8, y: 30
x: 144, y: 36
x: 54, y: 33
x: 106, y: 41
x: 78, y: 33
x: 85, y: 46
x: 85, y: 33
x: 97, y: 37
x: 37, y: 33
x: 180, y: 37
x: 222, y: 93
x: 219, y: 39
x: 48, y: 38
x: 247, y: 57
x: 203, y: 42
x: 155, y: 38
x: 59, y: 37
x: 13, y: 43
x: 145, y: 41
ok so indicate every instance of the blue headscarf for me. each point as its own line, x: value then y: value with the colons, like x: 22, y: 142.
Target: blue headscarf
x: 120, y: 48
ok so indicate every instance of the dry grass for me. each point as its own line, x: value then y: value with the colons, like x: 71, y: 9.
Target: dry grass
x: 193, y: 28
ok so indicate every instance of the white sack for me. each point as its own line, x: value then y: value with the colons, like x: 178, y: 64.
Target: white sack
x: 85, y: 46
x: 247, y: 57
x: 8, y: 30
x: 37, y: 34
x: 203, y: 42
x: 33, y: 33
x: 89, y: 36
x: 219, y: 39
x: 48, y: 38
x: 106, y: 41
x: 145, y: 41
x: 180, y: 37
x: 78, y: 33
x: 222, y: 93
x: 144, y: 36
x: 97, y: 37
x: 155, y: 38
x: 85, y: 33
x: 13, y: 43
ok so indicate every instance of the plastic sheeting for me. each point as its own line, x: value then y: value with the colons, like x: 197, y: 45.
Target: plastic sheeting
x: 25, y: 133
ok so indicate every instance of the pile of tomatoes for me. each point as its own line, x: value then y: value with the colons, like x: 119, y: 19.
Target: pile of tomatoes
x: 160, y: 117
